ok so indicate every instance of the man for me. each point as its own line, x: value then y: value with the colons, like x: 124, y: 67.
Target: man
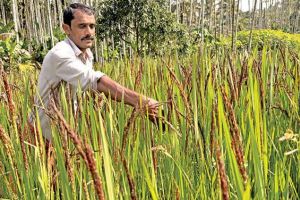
x: 70, y: 61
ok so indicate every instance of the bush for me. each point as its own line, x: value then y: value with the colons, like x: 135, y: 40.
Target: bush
x: 11, y: 51
x: 260, y: 38
x: 148, y: 27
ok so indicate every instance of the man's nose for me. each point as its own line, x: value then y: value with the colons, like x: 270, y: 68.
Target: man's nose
x: 89, y: 30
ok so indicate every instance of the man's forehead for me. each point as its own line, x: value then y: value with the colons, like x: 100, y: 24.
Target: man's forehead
x: 82, y: 16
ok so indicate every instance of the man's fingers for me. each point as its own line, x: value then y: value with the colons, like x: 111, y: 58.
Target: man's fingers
x: 155, y: 118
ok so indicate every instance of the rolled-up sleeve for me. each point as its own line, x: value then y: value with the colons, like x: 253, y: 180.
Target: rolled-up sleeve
x: 74, y: 72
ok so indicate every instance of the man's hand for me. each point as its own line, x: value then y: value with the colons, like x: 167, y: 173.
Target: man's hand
x: 118, y: 92
x: 152, y: 109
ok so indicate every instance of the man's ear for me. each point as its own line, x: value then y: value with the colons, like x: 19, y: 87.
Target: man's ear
x: 66, y: 28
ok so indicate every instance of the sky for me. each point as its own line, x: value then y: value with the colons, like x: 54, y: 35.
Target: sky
x: 244, y: 4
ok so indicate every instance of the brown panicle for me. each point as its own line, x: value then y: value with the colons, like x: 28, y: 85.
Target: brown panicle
x: 185, y: 100
x: 87, y: 155
x: 8, y: 91
x: 222, y: 172
x: 67, y: 157
x: 129, y: 178
x: 92, y: 167
x: 212, y: 129
x: 127, y: 128
x: 236, y: 140
x: 21, y: 138
x: 85, y: 189
x: 7, y: 142
x: 138, y: 78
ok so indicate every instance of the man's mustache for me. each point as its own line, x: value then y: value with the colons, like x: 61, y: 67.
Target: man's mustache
x: 88, y: 37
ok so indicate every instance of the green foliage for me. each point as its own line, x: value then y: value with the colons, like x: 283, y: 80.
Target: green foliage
x: 262, y: 89
x: 40, y: 50
x: 146, y: 26
x: 261, y: 38
x: 5, y: 28
x: 11, y: 51
x: 14, y: 53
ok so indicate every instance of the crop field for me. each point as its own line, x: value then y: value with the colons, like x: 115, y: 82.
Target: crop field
x: 232, y: 124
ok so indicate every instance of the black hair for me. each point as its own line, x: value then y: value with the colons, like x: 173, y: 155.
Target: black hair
x: 69, y: 11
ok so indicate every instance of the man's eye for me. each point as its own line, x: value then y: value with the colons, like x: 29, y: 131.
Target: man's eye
x: 82, y: 26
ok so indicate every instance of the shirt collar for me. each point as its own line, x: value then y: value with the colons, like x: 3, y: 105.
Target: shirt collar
x: 78, y: 52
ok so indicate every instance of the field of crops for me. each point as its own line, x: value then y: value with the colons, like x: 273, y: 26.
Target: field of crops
x: 233, y: 124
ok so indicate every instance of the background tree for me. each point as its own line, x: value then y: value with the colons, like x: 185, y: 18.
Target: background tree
x: 146, y: 26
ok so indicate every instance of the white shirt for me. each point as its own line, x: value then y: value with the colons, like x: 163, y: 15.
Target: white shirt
x: 65, y: 62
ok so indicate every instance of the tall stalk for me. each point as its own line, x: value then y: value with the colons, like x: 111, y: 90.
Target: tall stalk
x: 50, y: 23
x: 252, y: 25
x: 191, y: 13
x: 15, y: 18
x: 233, y: 29
x: 202, y: 20
x: 221, y: 27
x: 3, y: 15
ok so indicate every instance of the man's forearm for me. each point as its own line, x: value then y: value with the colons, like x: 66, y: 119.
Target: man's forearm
x: 116, y: 91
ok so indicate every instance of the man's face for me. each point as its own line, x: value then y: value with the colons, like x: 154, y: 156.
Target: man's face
x: 82, y: 30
